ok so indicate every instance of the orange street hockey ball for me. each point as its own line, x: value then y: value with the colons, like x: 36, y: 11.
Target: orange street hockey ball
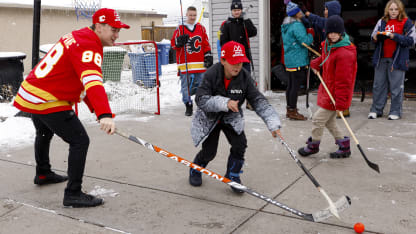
x: 359, y: 228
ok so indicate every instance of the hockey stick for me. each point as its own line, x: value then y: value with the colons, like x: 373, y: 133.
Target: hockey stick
x: 312, y: 50
x: 369, y: 163
x: 332, y: 207
x: 200, y: 16
x: 248, y: 44
x: 184, y: 49
x: 308, y: 108
x: 314, y: 217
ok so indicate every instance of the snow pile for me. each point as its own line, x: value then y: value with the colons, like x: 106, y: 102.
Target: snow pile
x: 412, y: 157
x: 16, y: 132
x: 102, y: 192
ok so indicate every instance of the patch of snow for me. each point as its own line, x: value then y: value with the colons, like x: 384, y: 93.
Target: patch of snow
x: 102, y: 192
x: 19, y: 132
x: 12, y: 55
x: 412, y: 157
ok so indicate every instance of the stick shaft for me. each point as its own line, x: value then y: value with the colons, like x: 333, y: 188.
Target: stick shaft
x: 369, y: 163
x: 311, y: 49
x: 299, y: 163
x: 200, y: 16
x: 332, y: 206
x: 214, y: 175
x: 184, y: 50
x: 340, y: 205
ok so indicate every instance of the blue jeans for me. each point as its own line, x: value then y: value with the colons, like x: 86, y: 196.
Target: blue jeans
x: 385, y: 79
x: 194, y: 80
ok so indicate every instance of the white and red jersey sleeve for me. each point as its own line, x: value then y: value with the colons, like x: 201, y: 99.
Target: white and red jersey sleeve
x: 86, y: 58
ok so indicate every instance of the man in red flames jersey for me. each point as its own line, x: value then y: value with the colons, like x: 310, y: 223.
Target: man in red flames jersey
x: 193, y: 56
x: 69, y: 73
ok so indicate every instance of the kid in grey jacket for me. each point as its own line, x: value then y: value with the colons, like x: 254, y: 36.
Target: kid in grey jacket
x: 219, y: 99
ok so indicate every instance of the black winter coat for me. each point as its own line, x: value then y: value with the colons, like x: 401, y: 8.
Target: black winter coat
x: 237, y: 29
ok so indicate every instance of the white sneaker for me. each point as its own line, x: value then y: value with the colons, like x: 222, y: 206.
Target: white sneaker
x: 393, y: 117
x: 372, y: 115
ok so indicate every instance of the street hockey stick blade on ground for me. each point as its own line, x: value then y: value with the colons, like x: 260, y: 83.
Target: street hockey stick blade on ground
x: 332, y: 207
x: 318, y: 216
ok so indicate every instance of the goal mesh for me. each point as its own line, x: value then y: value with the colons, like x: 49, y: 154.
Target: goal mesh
x: 130, y: 77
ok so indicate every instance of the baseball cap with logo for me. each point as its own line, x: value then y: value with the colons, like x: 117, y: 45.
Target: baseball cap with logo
x: 108, y: 16
x: 234, y: 53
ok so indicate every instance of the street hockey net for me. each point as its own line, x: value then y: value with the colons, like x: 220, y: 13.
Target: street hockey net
x: 130, y: 77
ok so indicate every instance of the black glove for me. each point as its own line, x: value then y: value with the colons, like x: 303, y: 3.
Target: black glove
x: 208, y: 59
x: 306, y: 22
x: 302, y: 7
x: 182, y: 40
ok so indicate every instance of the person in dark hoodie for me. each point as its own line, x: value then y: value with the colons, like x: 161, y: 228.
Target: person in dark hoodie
x: 338, y: 62
x: 238, y: 29
x: 219, y: 99
x: 318, y: 23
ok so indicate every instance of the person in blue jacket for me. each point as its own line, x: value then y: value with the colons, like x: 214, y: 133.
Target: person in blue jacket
x: 394, y: 34
x: 296, y: 58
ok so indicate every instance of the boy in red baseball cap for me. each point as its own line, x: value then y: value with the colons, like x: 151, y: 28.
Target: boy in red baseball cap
x: 69, y: 73
x: 219, y: 99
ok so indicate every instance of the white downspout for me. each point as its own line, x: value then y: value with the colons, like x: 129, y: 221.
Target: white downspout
x: 264, y: 45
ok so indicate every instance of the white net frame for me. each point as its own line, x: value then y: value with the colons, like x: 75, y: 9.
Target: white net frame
x: 130, y: 77
x: 86, y: 8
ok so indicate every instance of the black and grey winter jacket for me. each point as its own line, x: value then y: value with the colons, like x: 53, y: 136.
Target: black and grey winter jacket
x: 237, y: 29
x: 212, y: 98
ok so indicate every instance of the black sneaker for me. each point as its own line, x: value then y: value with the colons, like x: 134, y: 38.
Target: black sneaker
x: 189, y: 109
x: 81, y: 200
x: 50, y: 178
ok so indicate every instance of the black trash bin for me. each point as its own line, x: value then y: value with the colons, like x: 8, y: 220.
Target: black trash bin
x: 172, y: 55
x: 11, y: 74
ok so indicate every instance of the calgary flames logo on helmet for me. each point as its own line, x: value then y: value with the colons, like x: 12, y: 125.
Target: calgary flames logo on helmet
x: 194, y: 44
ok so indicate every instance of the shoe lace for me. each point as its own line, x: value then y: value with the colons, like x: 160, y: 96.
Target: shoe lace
x: 87, y: 196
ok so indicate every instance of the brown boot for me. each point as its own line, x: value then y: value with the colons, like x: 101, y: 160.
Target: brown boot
x: 345, y: 113
x: 294, y: 114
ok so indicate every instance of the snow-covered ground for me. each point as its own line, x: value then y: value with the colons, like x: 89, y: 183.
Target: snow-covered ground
x: 16, y: 132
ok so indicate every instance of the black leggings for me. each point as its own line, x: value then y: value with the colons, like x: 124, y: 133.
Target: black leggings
x: 67, y: 126
x: 295, y: 80
x: 210, y: 145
